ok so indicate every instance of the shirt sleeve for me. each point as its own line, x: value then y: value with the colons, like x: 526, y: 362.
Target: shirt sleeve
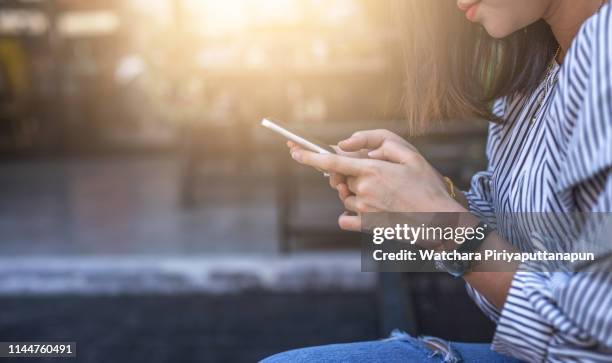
x: 480, y: 203
x: 567, y: 316
x: 563, y: 316
x: 483, y: 304
x: 558, y: 316
x: 479, y: 196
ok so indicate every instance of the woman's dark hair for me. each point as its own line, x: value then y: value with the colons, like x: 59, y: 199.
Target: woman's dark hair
x: 454, y: 69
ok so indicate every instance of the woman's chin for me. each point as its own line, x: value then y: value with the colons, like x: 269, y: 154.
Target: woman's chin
x: 497, y: 32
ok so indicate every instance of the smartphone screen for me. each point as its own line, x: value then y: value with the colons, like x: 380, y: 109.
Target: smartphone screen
x: 300, y: 139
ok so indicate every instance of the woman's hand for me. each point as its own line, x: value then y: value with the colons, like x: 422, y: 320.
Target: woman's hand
x: 336, y: 181
x: 396, y: 178
x: 361, y: 143
x: 356, y: 146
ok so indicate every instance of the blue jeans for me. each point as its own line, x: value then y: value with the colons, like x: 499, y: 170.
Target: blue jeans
x: 400, y: 347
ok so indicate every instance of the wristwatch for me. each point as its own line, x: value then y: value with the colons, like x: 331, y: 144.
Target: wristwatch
x: 459, y: 267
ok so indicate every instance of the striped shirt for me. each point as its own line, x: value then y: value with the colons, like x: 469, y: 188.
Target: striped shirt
x: 555, y: 158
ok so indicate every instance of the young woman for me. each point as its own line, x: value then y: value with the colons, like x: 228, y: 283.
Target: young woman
x: 541, y: 72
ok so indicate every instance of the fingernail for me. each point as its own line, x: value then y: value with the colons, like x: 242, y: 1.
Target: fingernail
x: 295, y: 155
x: 371, y: 154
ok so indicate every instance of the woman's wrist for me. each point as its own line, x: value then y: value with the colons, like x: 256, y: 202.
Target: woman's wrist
x: 455, y: 201
x: 491, y: 279
x: 449, y: 205
x: 463, y: 219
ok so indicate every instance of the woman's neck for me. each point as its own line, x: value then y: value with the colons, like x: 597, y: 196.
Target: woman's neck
x: 565, y: 18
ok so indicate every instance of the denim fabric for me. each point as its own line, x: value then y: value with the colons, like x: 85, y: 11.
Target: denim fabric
x: 399, y: 347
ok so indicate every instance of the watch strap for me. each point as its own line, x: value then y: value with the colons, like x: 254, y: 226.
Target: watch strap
x: 471, y: 244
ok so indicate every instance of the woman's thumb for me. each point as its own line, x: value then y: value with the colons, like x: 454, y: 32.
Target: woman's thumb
x: 391, y: 151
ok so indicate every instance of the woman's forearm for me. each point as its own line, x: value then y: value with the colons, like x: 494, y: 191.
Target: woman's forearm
x: 490, y: 278
x: 461, y: 199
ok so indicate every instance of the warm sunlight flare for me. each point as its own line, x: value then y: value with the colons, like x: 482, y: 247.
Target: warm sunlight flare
x: 222, y: 17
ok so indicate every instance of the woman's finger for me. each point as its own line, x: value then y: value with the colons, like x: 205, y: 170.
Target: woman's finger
x: 296, y: 147
x: 293, y: 147
x: 349, y: 222
x: 336, y: 179
x: 368, y: 139
x: 350, y: 204
x: 332, y: 163
x: 361, y: 154
x: 343, y: 192
x: 355, y: 204
x: 352, y: 184
x: 394, y: 152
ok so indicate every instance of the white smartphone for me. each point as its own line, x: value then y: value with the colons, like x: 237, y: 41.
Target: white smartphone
x: 306, y: 142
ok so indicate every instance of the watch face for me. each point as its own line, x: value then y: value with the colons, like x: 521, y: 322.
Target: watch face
x: 455, y: 268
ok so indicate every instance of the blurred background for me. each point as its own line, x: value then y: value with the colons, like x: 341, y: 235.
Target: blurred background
x: 145, y: 215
